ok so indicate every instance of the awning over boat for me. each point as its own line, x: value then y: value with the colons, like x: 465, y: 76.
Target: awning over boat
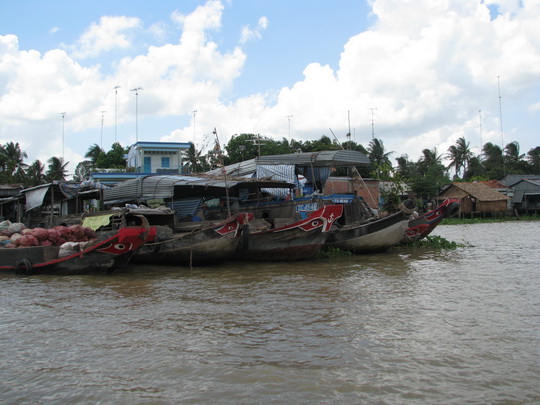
x: 179, y: 186
x: 330, y: 159
x: 284, y: 173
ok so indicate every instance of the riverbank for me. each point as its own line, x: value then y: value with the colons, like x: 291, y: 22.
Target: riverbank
x: 465, y: 221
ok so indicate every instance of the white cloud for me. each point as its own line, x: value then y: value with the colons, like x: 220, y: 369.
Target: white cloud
x: 35, y: 87
x: 112, y: 32
x: 249, y: 34
x: 428, y: 67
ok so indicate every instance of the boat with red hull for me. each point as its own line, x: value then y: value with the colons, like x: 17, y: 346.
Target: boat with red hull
x: 422, y: 226
x: 111, y: 251
x: 199, y: 243
x: 298, y: 240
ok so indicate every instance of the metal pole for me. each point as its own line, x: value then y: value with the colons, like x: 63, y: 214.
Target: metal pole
x: 63, y: 121
x: 194, y: 114
x: 102, y: 117
x: 115, y: 113
x: 480, y: 119
x: 502, y: 136
x: 289, y: 118
x: 372, y: 123
x: 136, y: 90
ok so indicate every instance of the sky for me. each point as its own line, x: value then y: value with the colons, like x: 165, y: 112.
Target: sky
x: 414, y: 74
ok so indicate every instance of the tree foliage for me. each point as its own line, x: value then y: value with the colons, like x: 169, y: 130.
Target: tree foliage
x: 425, y: 176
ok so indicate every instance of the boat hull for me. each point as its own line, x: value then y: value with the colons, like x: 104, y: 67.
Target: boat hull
x: 203, y: 246
x: 370, y: 237
x: 105, y: 256
x: 300, y: 240
x: 422, y: 226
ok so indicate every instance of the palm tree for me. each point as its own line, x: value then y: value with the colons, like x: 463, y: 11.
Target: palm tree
x: 94, y: 152
x: 196, y: 161
x: 57, y: 169
x: 460, y: 156
x: 533, y: 157
x: 12, y: 157
x: 406, y: 168
x: 378, y: 156
x: 35, y: 174
x: 514, y: 161
x: 493, y: 161
x: 429, y: 159
x: 465, y: 152
x: 511, y: 152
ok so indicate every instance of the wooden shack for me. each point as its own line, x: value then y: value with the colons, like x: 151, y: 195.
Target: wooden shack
x: 477, y: 199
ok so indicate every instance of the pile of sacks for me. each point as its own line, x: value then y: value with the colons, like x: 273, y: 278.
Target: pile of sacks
x: 15, y: 235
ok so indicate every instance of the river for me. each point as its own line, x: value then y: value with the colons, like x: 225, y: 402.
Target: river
x: 412, y: 326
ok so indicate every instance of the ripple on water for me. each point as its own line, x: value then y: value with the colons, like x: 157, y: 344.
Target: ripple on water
x: 410, y: 326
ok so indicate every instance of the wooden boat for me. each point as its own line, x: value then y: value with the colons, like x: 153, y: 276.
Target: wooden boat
x: 110, y: 251
x: 195, y: 243
x: 422, y: 226
x: 298, y: 240
x: 371, y: 236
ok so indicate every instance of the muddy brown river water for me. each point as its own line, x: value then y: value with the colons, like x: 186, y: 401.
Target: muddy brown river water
x: 412, y: 326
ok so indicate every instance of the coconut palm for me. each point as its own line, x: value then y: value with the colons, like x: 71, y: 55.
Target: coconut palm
x: 460, y: 156
x: 35, y: 174
x: 514, y: 161
x: 378, y: 156
x: 196, y: 161
x: 94, y: 152
x: 429, y: 159
x: 12, y: 157
x: 465, y: 152
x: 533, y: 157
x: 57, y: 169
x: 493, y: 160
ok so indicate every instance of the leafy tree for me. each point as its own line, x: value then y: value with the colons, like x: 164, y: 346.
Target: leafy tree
x: 57, y: 169
x: 113, y: 159
x: 323, y: 143
x: 475, y: 170
x: 242, y: 147
x: 83, y: 170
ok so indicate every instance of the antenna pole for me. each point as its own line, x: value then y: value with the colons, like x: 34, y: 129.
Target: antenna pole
x: 500, y: 113
x: 372, y: 123
x: 224, y: 171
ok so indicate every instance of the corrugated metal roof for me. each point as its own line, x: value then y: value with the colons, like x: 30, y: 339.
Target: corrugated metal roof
x: 329, y: 158
x: 164, y: 186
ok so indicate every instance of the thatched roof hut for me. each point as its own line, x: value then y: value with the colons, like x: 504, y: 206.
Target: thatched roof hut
x: 477, y: 198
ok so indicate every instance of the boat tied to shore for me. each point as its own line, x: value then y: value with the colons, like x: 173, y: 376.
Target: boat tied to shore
x: 421, y: 226
x: 85, y: 251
